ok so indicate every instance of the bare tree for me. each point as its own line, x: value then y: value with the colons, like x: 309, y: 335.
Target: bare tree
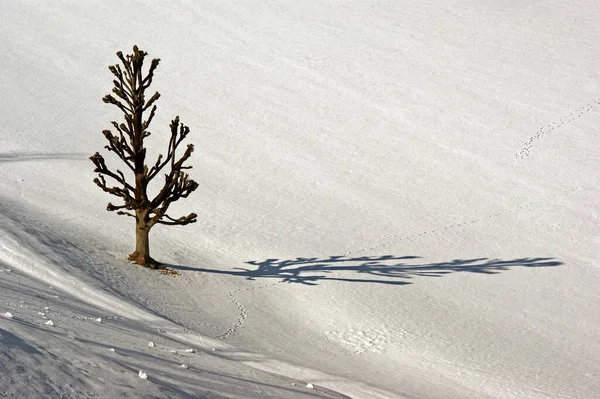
x: 128, y: 144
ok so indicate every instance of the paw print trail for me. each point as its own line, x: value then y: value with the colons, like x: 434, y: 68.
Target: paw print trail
x: 578, y: 113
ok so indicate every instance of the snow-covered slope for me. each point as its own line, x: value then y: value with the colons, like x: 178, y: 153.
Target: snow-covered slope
x: 397, y: 199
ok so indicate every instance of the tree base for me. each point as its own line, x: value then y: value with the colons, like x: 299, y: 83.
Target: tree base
x: 151, y: 264
x: 145, y: 261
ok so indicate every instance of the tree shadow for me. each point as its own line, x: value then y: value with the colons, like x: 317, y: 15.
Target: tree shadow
x: 41, y: 156
x: 386, y: 269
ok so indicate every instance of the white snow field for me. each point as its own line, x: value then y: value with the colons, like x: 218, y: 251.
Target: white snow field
x: 398, y: 199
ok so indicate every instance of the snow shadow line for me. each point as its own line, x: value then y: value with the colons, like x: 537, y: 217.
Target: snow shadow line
x: 384, y: 269
x: 10, y: 340
x: 41, y: 156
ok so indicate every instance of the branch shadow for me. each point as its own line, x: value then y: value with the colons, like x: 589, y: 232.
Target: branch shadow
x: 386, y: 269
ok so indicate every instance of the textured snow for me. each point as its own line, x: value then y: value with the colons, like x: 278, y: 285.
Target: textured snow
x: 397, y: 199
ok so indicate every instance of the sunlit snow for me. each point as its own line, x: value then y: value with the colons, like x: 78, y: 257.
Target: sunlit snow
x: 397, y: 199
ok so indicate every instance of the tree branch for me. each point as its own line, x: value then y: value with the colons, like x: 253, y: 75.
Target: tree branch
x: 119, y: 146
x: 111, y: 100
x: 126, y: 214
x: 148, y: 80
x: 101, y: 169
x: 191, y: 218
x: 128, y: 94
x: 178, y: 134
x: 151, y: 101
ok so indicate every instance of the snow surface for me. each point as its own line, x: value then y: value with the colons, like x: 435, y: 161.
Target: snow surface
x: 397, y: 199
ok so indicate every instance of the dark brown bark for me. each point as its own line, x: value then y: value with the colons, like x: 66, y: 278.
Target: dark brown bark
x: 141, y: 255
x: 128, y: 145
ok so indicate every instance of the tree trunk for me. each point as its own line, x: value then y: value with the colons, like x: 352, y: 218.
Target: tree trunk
x: 141, y: 256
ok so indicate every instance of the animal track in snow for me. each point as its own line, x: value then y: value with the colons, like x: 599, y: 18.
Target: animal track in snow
x: 240, y: 321
x: 357, y: 340
x: 346, y: 337
x: 393, y: 239
x: 578, y: 113
x: 243, y: 312
x: 396, y: 238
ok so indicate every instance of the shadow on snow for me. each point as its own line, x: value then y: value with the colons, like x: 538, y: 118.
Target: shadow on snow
x: 387, y: 269
x: 40, y: 156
